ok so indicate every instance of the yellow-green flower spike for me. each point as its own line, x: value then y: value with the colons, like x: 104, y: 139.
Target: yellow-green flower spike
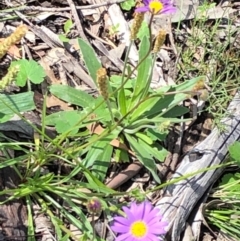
x: 159, y: 41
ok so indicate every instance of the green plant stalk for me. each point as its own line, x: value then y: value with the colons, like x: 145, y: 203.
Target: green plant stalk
x: 44, y: 109
x: 48, y: 211
x: 107, y: 131
x: 121, y: 93
x: 136, y: 93
x: 58, y: 145
x: 13, y: 166
x: 115, y: 194
x: 175, y: 180
x: 121, y: 96
x: 93, y: 224
x: 63, y: 136
x: 29, y: 87
x: 30, y: 226
x: 110, y: 109
x: 154, y: 60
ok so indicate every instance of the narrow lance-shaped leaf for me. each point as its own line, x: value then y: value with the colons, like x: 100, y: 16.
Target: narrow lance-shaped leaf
x: 158, y: 105
x: 143, y: 156
x: 90, y: 59
x: 143, y: 72
x: 73, y: 96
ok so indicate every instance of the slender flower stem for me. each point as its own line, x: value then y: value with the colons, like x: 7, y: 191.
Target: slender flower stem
x: 110, y: 109
x: 126, y: 58
x: 93, y: 224
x: 121, y: 93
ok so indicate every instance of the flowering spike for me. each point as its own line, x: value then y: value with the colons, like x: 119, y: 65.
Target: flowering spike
x: 14, y: 38
x: 199, y: 85
x: 9, y: 77
x: 102, y: 82
x: 137, y: 22
x: 159, y: 41
x: 142, y: 222
x: 157, y: 6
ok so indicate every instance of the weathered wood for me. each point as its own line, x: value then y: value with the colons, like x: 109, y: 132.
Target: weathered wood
x: 180, y: 198
x: 13, y: 215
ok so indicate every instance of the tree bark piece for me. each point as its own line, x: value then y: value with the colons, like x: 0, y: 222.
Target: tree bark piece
x: 13, y: 214
x: 180, y: 198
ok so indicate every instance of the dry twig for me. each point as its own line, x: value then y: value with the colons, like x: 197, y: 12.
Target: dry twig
x: 42, y: 9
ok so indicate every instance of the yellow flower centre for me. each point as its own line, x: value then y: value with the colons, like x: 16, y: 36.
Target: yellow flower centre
x: 138, y: 229
x: 155, y: 6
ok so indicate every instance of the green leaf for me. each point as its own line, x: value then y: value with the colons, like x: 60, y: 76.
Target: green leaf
x: 155, y: 135
x: 121, y: 156
x: 144, y: 156
x: 29, y: 70
x: 156, y: 151
x: 143, y: 31
x: 102, y: 164
x: 160, y: 105
x: 11, y: 162
x: 122, y: 101
x: 63, y: 38
x: 127, y: 5
x: 143, y: 73
x: 65, y: 121
x: 116, y: 81
x: 90, y: 59
x: 11, y: 104
x: 176, y: 111
x: 72, y: 95
x: 142, y: 136
x: 53, y: 118
x: 96, y: 157
x: 234, y: 151
x: 68, y: 25
x: 228, y: 178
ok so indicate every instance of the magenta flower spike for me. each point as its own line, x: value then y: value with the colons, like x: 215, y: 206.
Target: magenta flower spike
x: 142, y: 223
x: 157, y: 6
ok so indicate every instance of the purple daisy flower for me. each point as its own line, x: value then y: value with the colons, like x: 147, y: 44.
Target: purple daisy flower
x: 142, y: 223
x: 157, y: 6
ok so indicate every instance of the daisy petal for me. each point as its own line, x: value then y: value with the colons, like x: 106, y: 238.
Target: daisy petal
x: 142, y: 9
x: 158, y: 231
x: 123, y: 220
x: 153, y: 220
x: 130, y: 215
x: 147, y: 209
x: 146, y: 2
x: 120, y: 228
x: 153, y: 214
x: 124, y: 237
x: 169, y: 9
